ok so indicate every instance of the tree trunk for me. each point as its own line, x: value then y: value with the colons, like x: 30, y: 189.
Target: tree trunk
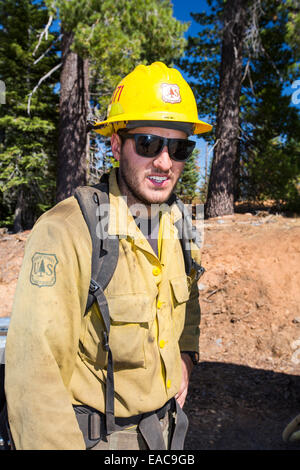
x: 19, y: 210
x: 72, y: 142
x: 220, y: 198
x: 236, y: 174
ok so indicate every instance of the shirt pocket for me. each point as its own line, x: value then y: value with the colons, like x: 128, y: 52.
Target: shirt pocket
x: 130, y: 317
x: 180, y: 290
x: 91, y: 344
x: 180, y: 295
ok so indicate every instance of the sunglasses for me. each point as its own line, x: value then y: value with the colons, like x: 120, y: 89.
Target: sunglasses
x: 149, y: 145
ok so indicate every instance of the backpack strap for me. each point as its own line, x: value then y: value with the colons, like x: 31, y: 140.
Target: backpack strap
x: 187, y: 234
x: 92, y: 200
x: 105, y: 253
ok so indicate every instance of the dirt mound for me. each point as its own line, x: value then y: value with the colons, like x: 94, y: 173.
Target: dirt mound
x: 11, y: 256
x: 247, y: 385
x: 250, y: 294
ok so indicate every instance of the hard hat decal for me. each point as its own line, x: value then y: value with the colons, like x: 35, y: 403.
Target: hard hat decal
x: 170, y: 93
x: 117, y: 94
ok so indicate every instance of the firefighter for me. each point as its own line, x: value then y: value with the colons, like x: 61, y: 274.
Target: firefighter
x: 56, y: 365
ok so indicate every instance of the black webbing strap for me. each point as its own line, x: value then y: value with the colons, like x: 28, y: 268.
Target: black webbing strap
x: 151, y: 430
x: 7, y: 442
x: 181, y: 427
x: 109, y: 399
x: 92, y: 425
x: 187, y: 233
x: 105, y: 254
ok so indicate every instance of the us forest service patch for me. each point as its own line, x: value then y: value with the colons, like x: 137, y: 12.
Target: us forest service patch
x: 43, y: 269
x: 170, y: 93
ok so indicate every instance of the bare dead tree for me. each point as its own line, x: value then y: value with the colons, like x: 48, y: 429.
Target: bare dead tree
x: 72, y: 142
x: 220, y: 199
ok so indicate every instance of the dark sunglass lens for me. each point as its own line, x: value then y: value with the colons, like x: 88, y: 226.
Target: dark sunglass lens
x: 180, y: 150
x: 148, y: 145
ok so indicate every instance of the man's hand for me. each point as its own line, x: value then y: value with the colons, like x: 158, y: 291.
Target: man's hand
x: 187, y: 366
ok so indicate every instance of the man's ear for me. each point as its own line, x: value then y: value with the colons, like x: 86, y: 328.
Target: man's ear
x: 116, y: 143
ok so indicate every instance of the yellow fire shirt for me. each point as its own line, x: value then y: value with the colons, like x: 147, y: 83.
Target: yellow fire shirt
x: 54, y: 353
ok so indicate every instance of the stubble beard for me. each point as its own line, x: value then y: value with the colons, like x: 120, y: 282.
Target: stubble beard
x: 129, y: 184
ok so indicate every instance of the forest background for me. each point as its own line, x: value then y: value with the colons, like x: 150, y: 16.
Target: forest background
x: 60, y: 61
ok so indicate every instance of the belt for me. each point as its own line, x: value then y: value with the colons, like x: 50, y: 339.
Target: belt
x: 93, y: 428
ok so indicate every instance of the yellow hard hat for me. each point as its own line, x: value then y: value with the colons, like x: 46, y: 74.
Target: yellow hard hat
x: 152, y: 93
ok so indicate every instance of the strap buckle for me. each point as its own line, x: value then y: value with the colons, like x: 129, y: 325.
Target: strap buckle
x: 93, y: 286
x: 200, y: 270
x: 94, y: 428
x: 105, y: 341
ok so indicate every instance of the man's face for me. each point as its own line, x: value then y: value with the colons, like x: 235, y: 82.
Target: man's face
x: 146, y: 180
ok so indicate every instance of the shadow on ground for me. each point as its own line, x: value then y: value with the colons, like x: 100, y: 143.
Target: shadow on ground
x: 235, y: 407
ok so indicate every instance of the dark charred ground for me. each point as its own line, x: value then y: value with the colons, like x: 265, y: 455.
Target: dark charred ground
x: 235, y: 407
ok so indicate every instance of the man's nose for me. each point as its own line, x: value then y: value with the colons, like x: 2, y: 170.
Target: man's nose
x: 163, y: 160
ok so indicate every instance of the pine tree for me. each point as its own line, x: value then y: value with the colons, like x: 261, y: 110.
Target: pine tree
x: 113, y: 36
x: 28, y: 142
x: 270, y: 150
x: 186, y: 187
x: 220, y: 197
x: 42, y: 268
x: 293, y: 25
x: 72, y: 143
x: 267, y: 154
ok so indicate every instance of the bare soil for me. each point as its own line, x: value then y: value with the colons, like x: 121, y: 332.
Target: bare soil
x: 246, y: 388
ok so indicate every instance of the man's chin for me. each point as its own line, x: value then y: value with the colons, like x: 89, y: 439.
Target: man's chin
x: 157, y: 197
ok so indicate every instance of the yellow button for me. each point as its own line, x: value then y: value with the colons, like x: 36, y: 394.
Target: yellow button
x: 162, y: 343
x: 156, y: 271
x: 169, y: 384
x: 159, y: 304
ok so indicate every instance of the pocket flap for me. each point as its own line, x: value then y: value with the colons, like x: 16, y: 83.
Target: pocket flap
x: 180, y: 289
x: 130, y: 308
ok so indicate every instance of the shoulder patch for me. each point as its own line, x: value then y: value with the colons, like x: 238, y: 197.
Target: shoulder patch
x: 43, y: 272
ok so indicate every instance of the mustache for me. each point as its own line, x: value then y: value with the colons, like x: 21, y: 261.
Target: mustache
x: 158, y: 173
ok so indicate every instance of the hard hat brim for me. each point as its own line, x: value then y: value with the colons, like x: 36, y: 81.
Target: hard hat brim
x: 111, y: 125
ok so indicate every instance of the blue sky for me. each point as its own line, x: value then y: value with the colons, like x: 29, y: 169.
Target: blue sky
x: 182, y: 10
